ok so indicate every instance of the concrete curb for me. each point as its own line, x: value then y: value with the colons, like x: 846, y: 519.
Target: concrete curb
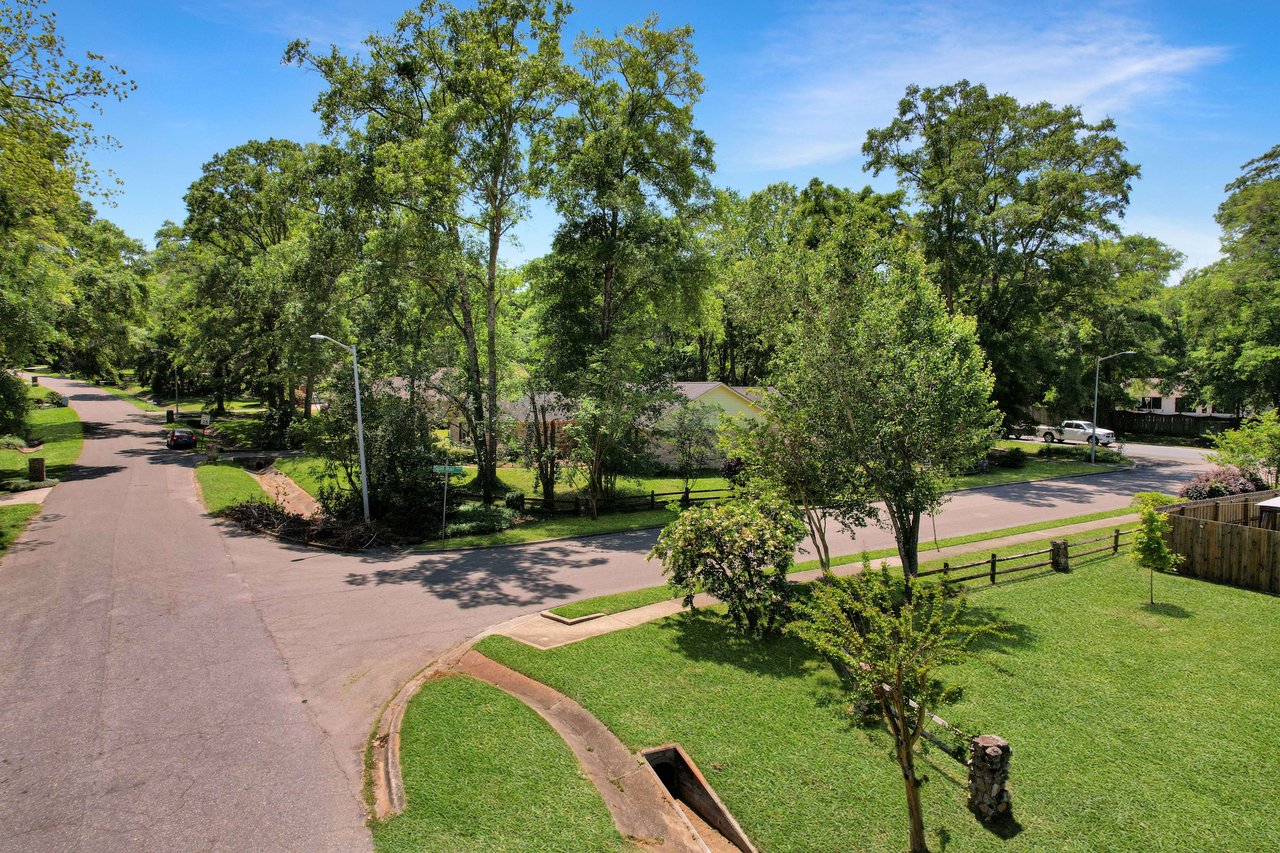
x: 565, y: 620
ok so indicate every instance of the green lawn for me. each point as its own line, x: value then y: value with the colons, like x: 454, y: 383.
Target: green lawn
x: 306, y: 471
x: 1133, y: 728
x: 63, y: 436
x: 1035, y: 469
x: 225, y: 483
x: 557, y: 528
x: 621, y: 601
x: 13, y: 520
x: 483, y: 772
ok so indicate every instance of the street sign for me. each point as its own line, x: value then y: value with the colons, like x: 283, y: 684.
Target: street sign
x: 204, y: 419
x: 447, y: 469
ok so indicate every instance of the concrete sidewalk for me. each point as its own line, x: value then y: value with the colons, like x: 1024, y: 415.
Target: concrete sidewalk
x: 543, y: 633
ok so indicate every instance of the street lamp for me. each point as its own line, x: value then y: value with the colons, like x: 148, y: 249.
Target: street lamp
x: 355, y: 367
x: 173, y: 362
x: 1097, y: 367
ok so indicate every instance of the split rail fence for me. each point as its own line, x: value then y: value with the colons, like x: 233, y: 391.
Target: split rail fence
x: 578, y: 505
x: 1060, y: 554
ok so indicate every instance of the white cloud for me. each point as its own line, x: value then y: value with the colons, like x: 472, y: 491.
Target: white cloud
x: 840, y: 67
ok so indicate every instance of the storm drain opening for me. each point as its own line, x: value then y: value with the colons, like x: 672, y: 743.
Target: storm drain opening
x: 702, y: 808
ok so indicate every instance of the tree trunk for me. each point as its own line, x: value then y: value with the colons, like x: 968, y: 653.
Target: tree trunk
x: 906, y: 535
x: 491, y: 346
x: 914, y: 813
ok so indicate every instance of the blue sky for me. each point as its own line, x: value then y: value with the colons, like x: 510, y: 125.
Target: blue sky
x: 791, y: 88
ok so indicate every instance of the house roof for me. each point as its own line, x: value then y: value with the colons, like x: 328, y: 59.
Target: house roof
x: 695, y: 390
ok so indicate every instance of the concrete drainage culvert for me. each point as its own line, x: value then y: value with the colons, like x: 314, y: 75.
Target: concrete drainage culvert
x: 701, y: 807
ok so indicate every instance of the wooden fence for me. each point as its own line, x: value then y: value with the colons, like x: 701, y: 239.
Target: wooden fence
x: 1220, y: 541
x: 1060, y: 555
x: 626, y: 503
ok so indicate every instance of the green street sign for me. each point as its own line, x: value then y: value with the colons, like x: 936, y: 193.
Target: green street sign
x: 447, y: 469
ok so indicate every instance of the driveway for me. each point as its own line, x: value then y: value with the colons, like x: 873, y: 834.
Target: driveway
x: 170, y: 683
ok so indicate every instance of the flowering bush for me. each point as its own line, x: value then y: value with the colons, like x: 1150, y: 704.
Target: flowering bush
x: 1221, y: 483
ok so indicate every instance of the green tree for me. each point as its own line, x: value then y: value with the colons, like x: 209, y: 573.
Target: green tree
x: 1003, y: 189
x: 629, y: 165
x: 45, y: 136
x: 1231, y: 309
x: 450, y: 113
x: 1254, y: 447
x: 891, y: 647
x: 1150, y: 548
x: 738, y: 551
x: 691, y: 433
x: 808, y: 469
x: 879, y: 371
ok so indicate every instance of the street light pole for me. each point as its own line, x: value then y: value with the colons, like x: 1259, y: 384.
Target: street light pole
x: 355, y: 367
x: 1097, y: 369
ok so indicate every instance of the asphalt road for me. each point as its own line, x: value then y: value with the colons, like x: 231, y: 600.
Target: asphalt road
x: 172, y: 684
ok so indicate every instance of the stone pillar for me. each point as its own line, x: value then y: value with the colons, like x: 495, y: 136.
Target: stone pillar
x: 1058, y: 555
x: 989, y: 796
x: 35, y: 469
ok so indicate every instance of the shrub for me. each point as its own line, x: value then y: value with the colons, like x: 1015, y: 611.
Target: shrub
x: 22, y: 485
x: 1142, y: 500
x: 14, y: 404
x: 514, y: 500
x: 740, y: 552
x: 734, y: 469
x: 461, y: 454
x: 473, y: 519
x: 1220, y: 483
x: 1014, y: 458
x: 11, y: 442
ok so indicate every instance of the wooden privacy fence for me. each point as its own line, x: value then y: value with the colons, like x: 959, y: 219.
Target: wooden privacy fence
x: 1220, y: 541
x: 1060, y: 555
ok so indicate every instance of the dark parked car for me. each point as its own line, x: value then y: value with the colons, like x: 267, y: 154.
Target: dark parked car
x: 179, y: 439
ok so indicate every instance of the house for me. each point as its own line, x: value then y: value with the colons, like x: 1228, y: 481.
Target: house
x: 727, y: 401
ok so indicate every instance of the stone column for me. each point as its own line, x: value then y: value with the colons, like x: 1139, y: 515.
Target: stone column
x: 1058, y: 555
x: 989, y: 796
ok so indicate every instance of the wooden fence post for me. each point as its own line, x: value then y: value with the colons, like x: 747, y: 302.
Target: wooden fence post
x: 35, y: 469
x: 653, y: 500
x: 1115, y: 542
x: 1217, y: 510
x: 946, y: 567
x: 1059, y: 556
x: 993, y: 568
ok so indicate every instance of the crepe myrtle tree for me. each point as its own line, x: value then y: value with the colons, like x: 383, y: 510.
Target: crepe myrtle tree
x: 888, y: 647
x: 881, y: 374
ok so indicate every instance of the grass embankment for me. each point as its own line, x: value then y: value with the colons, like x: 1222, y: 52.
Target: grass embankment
x: 1123, y: 734
x: 542, y: 530
x: 621, y: 601
x: 225, y: 483
x: 63, y: 436
x: 483, y: 772
x: 13, y: 520
x: 306, y: 471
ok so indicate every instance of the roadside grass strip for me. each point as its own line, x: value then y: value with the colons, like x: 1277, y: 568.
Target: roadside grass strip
x: 63, y: 436
x: 483, y: 772
x: 1132, y: 727
x: 13, y: 520
x: 548, y: 529
x: 622, y: 601
x: 225, y: 483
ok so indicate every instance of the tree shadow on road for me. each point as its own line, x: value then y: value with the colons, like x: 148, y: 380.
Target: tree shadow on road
x: 483, y: 578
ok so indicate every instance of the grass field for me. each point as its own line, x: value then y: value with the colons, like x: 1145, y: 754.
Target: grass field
x: 1133, y: 727
x: 13, y: 520
x: 63, y: 437
x: 225, y: 483
x: 483, y: 772
x: 620, y: 601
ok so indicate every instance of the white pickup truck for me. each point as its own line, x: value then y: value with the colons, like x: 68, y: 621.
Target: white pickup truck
x: 1075, y: 431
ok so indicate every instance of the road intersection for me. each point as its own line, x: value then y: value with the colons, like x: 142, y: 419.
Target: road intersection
x: 169, y: 683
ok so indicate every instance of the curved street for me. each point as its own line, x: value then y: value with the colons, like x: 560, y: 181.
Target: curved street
x: 169, y: 683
